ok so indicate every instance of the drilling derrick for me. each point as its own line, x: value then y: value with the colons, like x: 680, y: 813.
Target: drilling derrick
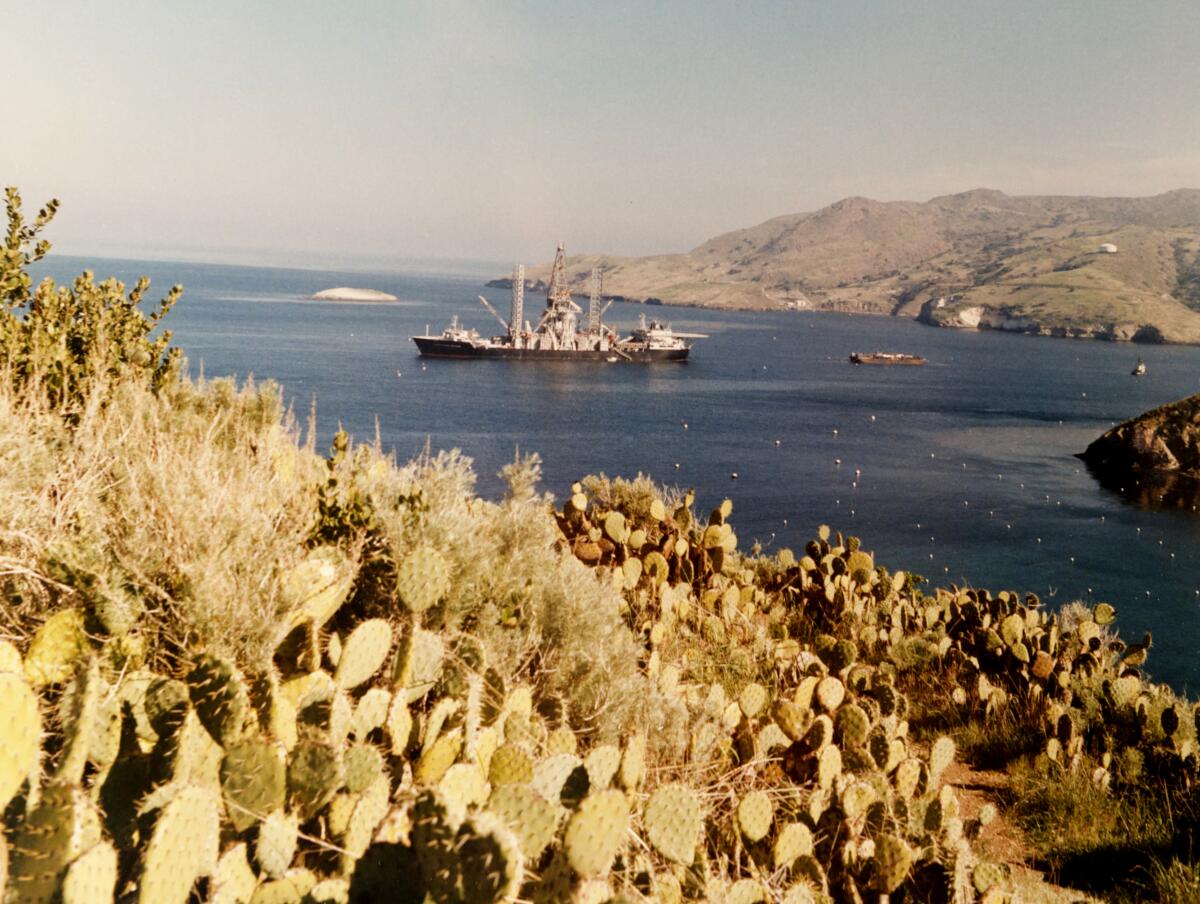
x: 560, y: 309
x: 594, y: 304
x: 516, y: 323
x: 558, y: 295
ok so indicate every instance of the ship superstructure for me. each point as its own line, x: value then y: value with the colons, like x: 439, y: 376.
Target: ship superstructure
x: 561, y: 332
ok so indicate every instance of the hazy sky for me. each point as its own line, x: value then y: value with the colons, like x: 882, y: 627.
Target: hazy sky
x: 491, y: 129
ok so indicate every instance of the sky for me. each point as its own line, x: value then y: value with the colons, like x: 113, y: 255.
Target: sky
x: 288, y: 131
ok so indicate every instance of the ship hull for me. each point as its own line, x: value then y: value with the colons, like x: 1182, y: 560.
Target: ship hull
x: 887, y: 359
x: 437, y: 347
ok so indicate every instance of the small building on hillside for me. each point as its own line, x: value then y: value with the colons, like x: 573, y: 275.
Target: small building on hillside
x: 1108, y: 248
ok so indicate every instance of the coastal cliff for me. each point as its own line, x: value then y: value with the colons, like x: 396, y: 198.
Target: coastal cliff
x: 1164, y: 441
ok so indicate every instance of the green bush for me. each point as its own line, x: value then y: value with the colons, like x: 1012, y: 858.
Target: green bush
x: 67, y: 341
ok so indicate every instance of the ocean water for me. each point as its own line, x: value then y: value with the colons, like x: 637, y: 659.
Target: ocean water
x: 962, y: 471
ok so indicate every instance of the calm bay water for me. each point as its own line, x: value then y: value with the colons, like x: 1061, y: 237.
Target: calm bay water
x: 962, y: 470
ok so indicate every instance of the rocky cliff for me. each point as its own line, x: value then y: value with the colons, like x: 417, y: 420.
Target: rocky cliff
x: 1163, y: 441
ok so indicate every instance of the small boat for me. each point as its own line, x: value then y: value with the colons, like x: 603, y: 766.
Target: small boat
x: 1139, y: 369
x: 885, y: 358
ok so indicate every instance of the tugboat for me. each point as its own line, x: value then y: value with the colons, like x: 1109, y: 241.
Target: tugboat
x: 558, y: 335
x: 1139, y: 369
x: 885, y: 358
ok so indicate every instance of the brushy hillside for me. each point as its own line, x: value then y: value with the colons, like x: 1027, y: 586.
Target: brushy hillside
x: 1018, y: 257
x: 233, y: 669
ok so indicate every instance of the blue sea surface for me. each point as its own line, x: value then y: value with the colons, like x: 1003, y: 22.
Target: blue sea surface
x: 962, y: 471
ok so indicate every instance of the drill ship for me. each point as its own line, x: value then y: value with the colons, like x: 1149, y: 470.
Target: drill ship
x: 563, y: 332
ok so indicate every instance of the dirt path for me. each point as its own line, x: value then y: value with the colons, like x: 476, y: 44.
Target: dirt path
x: 1001, y: 840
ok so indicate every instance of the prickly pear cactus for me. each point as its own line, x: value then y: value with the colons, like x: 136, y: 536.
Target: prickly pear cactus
x: 363, y: 653
x: 534, y: 820
x: 596, y: 832
x: 182, y: 848
x: 62, y: 826
x: 490, y: 861
x: 253, y: 781
x: 20, y: 726
x: 57, y: 646
x: 422, y: 579
x: 314, y: 774
x: 755, y: 813
x: 220, y: 697
x: 92, y: 876
x: 673, y: 821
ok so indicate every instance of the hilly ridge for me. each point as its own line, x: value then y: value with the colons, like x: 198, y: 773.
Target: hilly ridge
x: 975, y: 259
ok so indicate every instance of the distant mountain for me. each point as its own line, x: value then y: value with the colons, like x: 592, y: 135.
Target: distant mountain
x: 976, y: 259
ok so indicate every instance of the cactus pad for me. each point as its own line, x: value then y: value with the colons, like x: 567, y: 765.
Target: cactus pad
x: 793, y: 840
x: 829, y: 765
x: 602, y: 764
x: 20, y: 727
x: 615, y: 527
x: 419, y: 662
x: 182, y: 849
x: 441, y: 755
x: 791, y: 718
x: 253, y: 781
x: 399, y: 722
x: 370, y: 713
x: 369, y: 811
x: 595, y: 833
x: 1125, y: 690
x: 534, y: 820
x: 753, y: 699
x: 314, y: 774
x: 464, y: 785
x: 422, y: 579
x: 220, y: 698
x: 315, y: 588
x: 853, y: 725
x: 510, y: 765
x: 755, y: 813
x: 489, y: 860
x: 987, y: 876
x: 819, y: 734
x: 234, y: 880
x: 941, y: 755
x: 562, y: 740
x: 1169, y: 720
x: 829, y: 693
x: 275, y: 843
x: 673, y: 822
x: 363, y: 767
x: 92, y: 877
x: 363, y: 653
x: 61, y: 827
x: 856, y: 798
x: 557, y: 778
x: 633, y: 762
x: 893, y: 860
x: 56, y: 648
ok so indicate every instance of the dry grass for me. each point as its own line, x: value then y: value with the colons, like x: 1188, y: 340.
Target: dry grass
x: 180, y: 515
x: 183, y: 508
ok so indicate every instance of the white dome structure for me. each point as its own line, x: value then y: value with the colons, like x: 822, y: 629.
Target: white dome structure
x: 1108, y: 248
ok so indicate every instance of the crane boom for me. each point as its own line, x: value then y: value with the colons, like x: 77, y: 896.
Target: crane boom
x: 504, y: 323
